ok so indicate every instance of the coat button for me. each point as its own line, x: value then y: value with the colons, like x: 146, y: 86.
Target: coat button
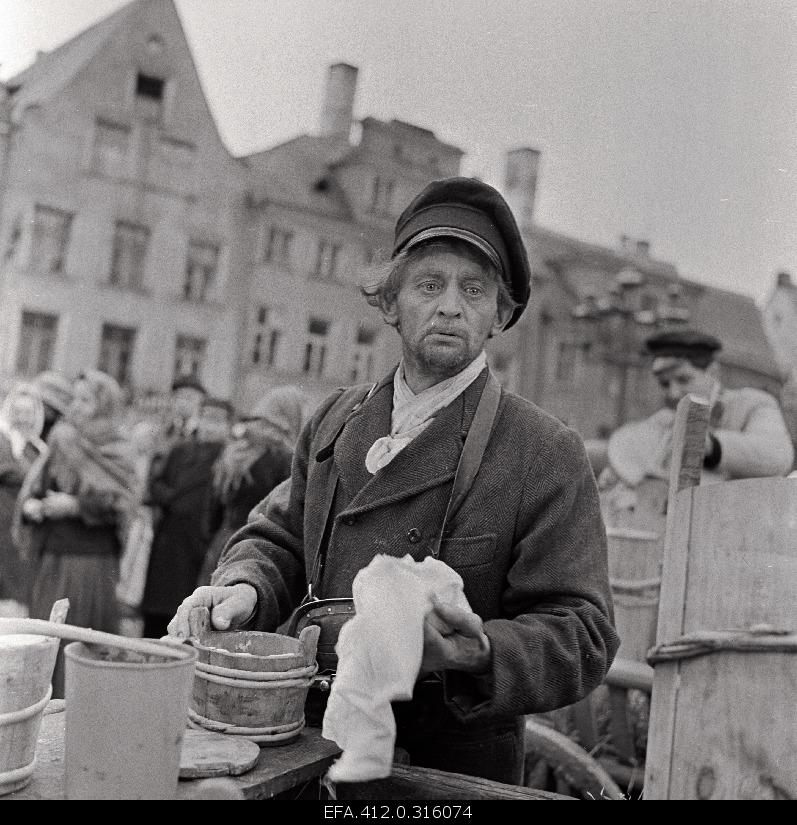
x: 349, y: 520
x: 414, y: 535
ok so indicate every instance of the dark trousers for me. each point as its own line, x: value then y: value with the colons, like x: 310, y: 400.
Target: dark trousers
x: 434, y: 738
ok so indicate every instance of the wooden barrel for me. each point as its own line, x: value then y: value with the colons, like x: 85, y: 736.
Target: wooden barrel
x: 253, y: 684
x: 26, y: 667
x: 722, y: 721
x: 635, y: 575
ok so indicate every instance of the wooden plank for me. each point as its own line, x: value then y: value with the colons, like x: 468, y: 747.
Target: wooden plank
x: 670, y: 626
x: 408, y: 783
x: 278, y: 769
x: 734, y: 736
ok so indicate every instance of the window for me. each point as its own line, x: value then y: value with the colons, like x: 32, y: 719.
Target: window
x: 267, y: 338
x: 116, y: 351
x: 14, y: 237
x: 189, y: 356
x: 566, y: 361
x: 129, y: 254
x: 278, y: 246
x: 150, y: 87
x: 149, y: 96
x: 37, y: 337
x: 200, y: 270
x: 315, y: 351
x: 382, y: 195
x: 326, y: 259
x: 176, y: 152
x: 362, y: 366
x: 50, y: 238
x: 111, y: 148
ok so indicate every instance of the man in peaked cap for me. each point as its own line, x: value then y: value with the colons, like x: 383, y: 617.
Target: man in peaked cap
x: 373, y: 475
x: 747, y: 435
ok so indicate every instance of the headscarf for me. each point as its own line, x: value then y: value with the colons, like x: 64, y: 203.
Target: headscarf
x: 18, y: 438
x: 93, y: 457
x: 278, y: 419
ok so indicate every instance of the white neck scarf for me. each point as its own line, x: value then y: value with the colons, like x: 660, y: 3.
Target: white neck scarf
x: 412, y: 414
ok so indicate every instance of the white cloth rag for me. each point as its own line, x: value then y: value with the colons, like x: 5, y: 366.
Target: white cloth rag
x: 379, y: 658
x: 412, y: 413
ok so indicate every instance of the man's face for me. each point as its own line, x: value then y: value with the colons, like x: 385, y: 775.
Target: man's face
x: 445, y: 311
x: 186, y: 402
x: 213, y: 424
x: 683, y: 378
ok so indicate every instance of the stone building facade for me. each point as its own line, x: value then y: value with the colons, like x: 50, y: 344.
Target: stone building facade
x: 131, y: 240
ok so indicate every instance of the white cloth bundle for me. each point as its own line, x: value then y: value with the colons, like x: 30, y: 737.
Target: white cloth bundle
x: 379, y: 658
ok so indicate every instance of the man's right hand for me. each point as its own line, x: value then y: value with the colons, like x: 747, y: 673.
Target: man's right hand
x: 229, y: 608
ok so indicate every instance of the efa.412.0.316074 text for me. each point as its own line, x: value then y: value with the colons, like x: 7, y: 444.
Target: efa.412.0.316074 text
x: 397, y: 811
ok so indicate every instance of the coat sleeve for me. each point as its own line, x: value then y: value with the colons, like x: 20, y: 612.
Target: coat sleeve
x: 558, y: 638
x: 763, y: 447
x: 268, y: 552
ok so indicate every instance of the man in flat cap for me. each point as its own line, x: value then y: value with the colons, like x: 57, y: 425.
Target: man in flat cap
x: 374, y: 471
x: 747, y: 435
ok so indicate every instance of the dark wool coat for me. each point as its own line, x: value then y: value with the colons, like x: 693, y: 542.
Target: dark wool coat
x: 181, y: 540
x: 528, y: 541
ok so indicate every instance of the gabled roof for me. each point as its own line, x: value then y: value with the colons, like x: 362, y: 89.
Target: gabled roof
x: 298, y: 173
x: 737, y: 321
x: 583, y: 268
x: 53, y: 70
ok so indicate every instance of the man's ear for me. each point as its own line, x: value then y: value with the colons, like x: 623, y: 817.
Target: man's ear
x: 502, y: 316
x: 390, y: 313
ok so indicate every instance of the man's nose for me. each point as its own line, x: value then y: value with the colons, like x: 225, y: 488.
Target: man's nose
x: 449, y: 303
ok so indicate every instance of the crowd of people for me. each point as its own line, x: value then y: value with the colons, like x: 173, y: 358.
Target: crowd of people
x: 125, y: 513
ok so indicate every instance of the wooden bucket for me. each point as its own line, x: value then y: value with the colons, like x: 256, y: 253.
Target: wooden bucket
x: 253, y: 684
x: 635, y: 575
x: 722, y: 721
x: 26, y: 668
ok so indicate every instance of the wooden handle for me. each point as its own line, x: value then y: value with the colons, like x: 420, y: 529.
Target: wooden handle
x: 39, y: 627
x: 198, y: 623
x: 308, y: 639
x: 688, y: 443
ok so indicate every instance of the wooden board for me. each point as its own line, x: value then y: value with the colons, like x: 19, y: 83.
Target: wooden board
x: 207, y: 754
x: 721, y: 726
x: 408, y: 782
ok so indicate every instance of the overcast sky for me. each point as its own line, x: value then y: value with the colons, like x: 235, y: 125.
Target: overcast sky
x: 669, y: 120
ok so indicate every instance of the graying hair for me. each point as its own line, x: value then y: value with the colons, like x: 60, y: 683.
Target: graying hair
x: 385, y: 278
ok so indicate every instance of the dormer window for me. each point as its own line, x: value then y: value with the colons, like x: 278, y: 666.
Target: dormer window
x: 150, y: 87
x: 150, y: 93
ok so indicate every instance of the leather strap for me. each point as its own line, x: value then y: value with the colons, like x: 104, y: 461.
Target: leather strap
x: 472, y: 453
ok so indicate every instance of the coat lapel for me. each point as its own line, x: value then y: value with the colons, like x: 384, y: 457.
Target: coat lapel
x: 430, y: 460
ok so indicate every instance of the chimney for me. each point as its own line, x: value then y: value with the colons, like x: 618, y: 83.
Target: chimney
x: 784, y: 280
x: 643, y: 249
x: 338, y: 106
x: 520, y: 182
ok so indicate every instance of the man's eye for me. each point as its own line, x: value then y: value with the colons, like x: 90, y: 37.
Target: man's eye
x: 474, y: 290
x: 428, y: 286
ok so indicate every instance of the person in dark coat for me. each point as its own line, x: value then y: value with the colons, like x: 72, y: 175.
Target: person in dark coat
x: 252, y: 465
x: 181, y: 489
x: 528, y: 540
x: 81, y: 500
x: 21, y: 423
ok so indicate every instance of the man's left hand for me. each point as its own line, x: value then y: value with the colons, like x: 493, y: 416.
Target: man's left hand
x: 454, y: 639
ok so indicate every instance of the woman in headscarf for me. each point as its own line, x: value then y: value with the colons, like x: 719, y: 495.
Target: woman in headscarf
x: 252, y: 465
x: 21, y: 422
x: 82, y: 500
